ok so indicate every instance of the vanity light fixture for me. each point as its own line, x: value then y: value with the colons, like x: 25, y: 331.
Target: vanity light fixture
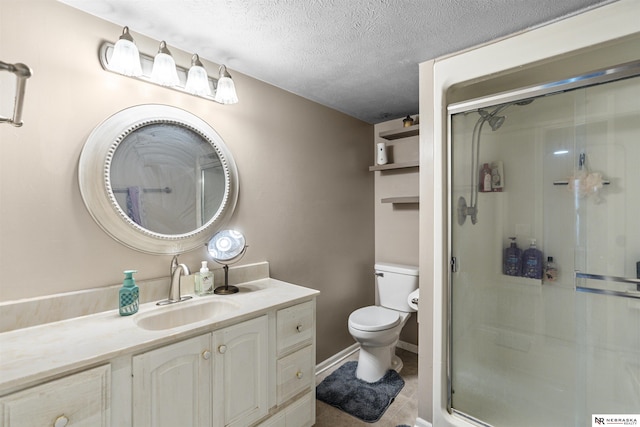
x: 162, y: 70
x: 126, y: 58
x: 197, y: 79
x: 164, y: 67
x: 226, y: 93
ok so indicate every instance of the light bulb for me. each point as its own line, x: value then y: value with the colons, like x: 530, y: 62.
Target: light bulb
x: 197, y: 79
x: 226, y: 90
x: 125, y: 58
x: 164, y: 68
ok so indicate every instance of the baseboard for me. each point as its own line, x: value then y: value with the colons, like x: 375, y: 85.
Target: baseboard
x: 340, y: 356
x: 336, y: 358
x: 407, y: 346
x: 422, y: 423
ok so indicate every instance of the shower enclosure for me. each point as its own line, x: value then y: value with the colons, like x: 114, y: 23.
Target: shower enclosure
x: 565, y: 171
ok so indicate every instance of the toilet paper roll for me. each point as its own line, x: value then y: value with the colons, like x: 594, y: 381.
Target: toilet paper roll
x: 412, y: 299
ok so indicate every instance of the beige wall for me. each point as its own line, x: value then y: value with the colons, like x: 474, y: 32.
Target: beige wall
x: 397, y: 224
x: 305, y: 190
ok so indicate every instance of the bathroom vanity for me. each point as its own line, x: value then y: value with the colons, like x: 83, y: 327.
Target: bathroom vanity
x: 233, y: 360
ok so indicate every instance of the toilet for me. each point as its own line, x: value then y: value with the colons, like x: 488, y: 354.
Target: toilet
x: 377, y: 327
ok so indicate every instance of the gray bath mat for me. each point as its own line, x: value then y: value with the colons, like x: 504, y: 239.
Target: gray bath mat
x: 363, y: 400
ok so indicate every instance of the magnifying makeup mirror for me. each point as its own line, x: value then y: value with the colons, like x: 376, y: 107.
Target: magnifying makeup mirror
x: 226, y: 246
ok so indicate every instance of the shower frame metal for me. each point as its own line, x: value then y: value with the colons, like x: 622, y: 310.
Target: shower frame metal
x: 600, y: 76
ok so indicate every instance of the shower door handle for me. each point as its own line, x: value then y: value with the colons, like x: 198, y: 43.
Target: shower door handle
x: 454, y: 264
x: 624, y: 294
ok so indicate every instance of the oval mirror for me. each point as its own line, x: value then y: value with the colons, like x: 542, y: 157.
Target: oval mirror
x: 158, y: 179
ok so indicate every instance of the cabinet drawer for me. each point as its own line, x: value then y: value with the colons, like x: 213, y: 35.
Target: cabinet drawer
x: 294, y: 374
x: 79, y: 400
x: 294, y: 327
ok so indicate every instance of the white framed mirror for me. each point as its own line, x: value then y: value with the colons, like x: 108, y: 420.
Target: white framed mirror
x: 158, y: 179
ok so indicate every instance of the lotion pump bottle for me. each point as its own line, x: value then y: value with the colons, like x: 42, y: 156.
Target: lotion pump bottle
x: 204, y: 280
x: 532, y: 262
x: 512, y: 259
x: 129, y: 295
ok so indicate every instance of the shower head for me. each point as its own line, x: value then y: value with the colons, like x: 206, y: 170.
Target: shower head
x: 496, y: 121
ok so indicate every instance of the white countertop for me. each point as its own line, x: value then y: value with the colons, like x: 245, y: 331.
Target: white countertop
x: 32, y: 355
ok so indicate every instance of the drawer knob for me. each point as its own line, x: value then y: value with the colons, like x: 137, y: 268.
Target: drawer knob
x: 299, y: 375
x: 61, y: 421
x: 206, y: 355
x: 299, y: 328
x: 222, y: 349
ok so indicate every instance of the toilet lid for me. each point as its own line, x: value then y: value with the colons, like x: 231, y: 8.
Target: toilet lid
x: 374, y: 318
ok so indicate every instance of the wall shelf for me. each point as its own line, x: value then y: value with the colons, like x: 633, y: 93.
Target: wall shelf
x: 403, y: 132
x: 389, y: 166
x: 402, y: 200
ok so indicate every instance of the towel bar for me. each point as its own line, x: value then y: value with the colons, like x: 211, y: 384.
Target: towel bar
x: 22, y: 73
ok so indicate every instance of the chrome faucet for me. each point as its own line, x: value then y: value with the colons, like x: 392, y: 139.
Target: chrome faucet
x: 177, y: 270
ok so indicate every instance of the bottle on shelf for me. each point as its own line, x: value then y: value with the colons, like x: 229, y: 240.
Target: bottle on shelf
x: 550, y: 270
x: 485, y: 179
x: 532, y: 262
x: 512, y: 259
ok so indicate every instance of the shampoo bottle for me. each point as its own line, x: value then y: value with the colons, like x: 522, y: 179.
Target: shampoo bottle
x: 532, y: 262
x: 512, y: 259
x: 129, y: 295
x: 204, y: 280
x: 485, y: 179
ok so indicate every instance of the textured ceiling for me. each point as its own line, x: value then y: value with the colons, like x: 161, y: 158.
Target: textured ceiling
x: 357, y: 56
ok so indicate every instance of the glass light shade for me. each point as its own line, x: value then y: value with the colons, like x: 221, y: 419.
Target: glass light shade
x: 226, y: 91
x: 164, y: 68
x: 198, y: 81
x: 125, y: 58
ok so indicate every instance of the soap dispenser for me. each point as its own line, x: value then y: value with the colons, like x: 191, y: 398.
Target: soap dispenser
x: 129, y: 294
x: 532, y: 262
x: 204, y: 280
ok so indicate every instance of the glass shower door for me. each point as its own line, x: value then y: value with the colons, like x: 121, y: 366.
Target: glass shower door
x: 607, y: 201
x: 557, y: 350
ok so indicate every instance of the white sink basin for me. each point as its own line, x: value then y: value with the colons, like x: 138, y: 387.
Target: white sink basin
x: 184, y: 313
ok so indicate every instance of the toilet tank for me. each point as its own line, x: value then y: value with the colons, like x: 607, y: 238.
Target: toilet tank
x: 394, y: 283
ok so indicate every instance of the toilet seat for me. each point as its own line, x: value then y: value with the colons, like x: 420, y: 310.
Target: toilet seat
x: 374, y: 318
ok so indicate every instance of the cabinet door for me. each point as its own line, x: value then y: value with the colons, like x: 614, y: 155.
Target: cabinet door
x: 77, y: 400
x: 172, y: 385
x: 240, y: 365
x: 302, y: 413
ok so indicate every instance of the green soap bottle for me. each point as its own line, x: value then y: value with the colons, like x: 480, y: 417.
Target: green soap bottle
x: 129, y: 294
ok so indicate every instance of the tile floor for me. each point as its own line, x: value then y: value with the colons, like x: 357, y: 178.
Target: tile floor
x: 403, y: 410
